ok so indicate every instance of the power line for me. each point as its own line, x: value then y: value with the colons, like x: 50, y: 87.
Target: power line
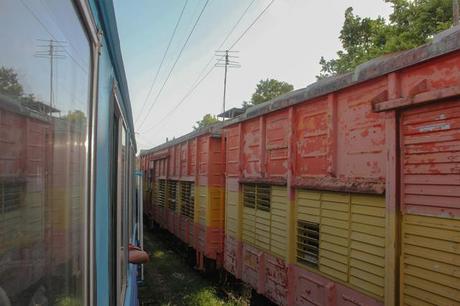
x: 174, y: 65
x: 253, y: 23
x: 212, y: 68
x: 199, y: 79
x: 162, y: 60
x: 191, y: 90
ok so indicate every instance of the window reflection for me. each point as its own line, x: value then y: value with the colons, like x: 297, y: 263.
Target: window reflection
x: 44, y: 109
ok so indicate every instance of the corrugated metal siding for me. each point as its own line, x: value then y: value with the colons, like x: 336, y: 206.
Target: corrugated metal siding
x: 367, y: 253
x: 430, y: 261
x: 267, y: 230
x: 352, y: 237
x: 279, y: 221
x: 203, y: 204
x: 231, y: 213
x: 431, y: 160
x: 249, y: 225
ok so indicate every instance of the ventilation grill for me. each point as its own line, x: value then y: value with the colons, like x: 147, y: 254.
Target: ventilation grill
x: 172, y: 194
x: 188, y: 199
x: 263, y: 197
x: 249, y: 194
x: 11, y: 194
x: 161, y: 193
x: 308, y: 243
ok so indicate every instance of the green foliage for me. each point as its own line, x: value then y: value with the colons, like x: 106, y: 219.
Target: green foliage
x: 9, y: 84
x: 75, y: 116
x: 267, y: 90
x: 411, y: 24
x: 67, y: 301
x: 207, y: 120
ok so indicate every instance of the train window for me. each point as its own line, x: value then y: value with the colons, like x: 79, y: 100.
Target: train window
x: 187, y: 191
x: 172, y: 195
x: 45, y: 103
x: 308, y: 243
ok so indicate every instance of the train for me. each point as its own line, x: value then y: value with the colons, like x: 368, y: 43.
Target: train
x: 345, y: 192
x: 69, y: 190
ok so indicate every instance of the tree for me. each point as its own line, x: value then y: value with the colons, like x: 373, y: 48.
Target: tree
x: 411, y: 24
x: 267, y: 90
x: 207, y: 120
x: 9, y: 83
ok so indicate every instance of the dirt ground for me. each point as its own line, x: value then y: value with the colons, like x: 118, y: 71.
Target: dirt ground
x: 171, y: 280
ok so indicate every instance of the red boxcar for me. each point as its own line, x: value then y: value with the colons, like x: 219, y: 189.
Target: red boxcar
x: 185, y: 191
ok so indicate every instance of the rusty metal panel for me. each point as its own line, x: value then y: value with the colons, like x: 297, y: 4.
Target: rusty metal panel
x: 430, y: 138
x: 430, y: 261
x: 312, y: 156
x: 233, y: 146
x: 360, y: 132
x: 276, y: 144
x: 276, y: 279
x: 251, y: 147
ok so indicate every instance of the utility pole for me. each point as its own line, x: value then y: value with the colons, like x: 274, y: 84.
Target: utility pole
x: 53, y: 50
x: 455, y: 10
x: 227, y: 61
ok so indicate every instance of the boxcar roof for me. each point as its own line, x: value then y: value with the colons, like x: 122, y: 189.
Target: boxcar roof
x: 213, y: 130
x: 443, y: 43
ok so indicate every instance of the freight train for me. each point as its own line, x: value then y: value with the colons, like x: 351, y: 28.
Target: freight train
x: 68, y: 204
x: 346, y: 192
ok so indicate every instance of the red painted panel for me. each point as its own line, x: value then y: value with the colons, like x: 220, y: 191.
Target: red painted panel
x: 276, y: 143
x: 312, y: 289
x: 348, y: 297
x: 312, y: 139
x: 435, y: 74
x: 361, y: 132
x: 184, y: 159
x: 252, y: 266
x: 276, y: 279
x: 232, y: 151
x: 233, y: 256
x: 251, y: 149
x: 430, y: 137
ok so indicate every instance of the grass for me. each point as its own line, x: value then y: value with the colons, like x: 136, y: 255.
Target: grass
x: 169, y: 280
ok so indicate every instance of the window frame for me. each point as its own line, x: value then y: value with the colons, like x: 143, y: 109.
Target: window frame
x: 88, y: 23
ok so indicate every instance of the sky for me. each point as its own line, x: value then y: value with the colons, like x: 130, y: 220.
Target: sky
x: 286, y: 44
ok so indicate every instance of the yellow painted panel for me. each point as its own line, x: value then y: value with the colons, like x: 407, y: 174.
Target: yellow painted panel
x: 433, y: 255
x: 376, y: 221
x: 367, y: 258
x: 375, y: 279
x: 334, y: 256
x: 415, y: 295
x: 325, y: 229
x: 439, y: 267
x: 367, y: 286
x: 335, y: 223
x: 431, y: 260
x: 334, y: 248
x: 364, y: 228
x: 202, y: 192
x: 334, y: 214
x: 333, y: 264
x: 334, y: 239
x: 370, y: 239
x: 378, y: 251
x: 332, y: 272
x: 369, y: 267
x: 368, y: 210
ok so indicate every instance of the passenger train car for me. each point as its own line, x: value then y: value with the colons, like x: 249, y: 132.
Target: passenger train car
x: 68, y: 204
x: 346, y: 192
